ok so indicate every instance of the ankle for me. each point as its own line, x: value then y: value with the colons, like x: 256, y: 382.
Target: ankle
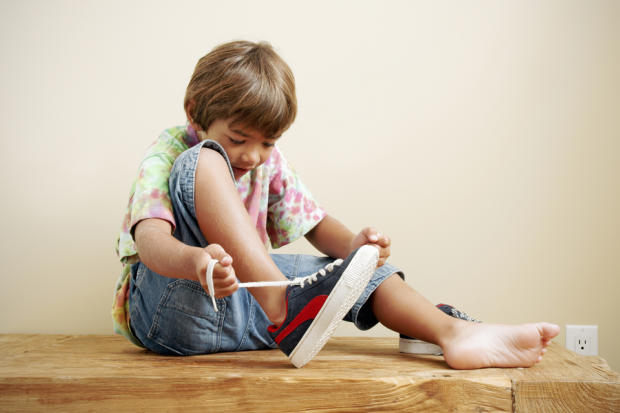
x: 275, y: 307
x: 454, y: 329
x: 278, y: 319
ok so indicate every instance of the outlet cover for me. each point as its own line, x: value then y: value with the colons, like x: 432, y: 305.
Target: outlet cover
x: 582, y: 339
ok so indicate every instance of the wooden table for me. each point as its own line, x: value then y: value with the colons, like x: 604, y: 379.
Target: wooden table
x: 107, y: 373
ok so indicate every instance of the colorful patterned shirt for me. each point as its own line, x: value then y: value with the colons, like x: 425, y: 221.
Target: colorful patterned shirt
x: 279, y: 204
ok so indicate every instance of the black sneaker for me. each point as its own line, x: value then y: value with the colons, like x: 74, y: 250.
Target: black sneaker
x: 314, y: 310
x: 411, y: 345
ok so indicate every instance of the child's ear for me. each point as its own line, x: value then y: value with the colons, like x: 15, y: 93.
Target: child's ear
x: 189, y: 112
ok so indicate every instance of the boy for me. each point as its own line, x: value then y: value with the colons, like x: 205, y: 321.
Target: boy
x: 220, y: 188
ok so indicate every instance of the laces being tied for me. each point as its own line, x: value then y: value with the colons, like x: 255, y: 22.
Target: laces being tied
x: 297, y: 281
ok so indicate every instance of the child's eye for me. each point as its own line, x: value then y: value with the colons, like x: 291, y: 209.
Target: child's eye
x: 267, y: 144
x: 235, y: 142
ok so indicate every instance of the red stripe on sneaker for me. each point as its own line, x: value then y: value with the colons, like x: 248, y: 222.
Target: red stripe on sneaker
x: 308, y: 313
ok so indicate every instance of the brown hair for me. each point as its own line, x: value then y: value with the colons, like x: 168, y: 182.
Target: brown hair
x: 246, y: 82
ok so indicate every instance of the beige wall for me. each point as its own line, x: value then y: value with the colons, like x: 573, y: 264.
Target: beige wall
x: 482, y: 136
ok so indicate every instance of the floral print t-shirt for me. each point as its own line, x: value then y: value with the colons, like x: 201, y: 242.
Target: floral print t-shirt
x: 280, y: 206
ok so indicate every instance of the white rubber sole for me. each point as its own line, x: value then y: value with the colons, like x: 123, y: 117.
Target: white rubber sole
x: 410, y: 346
x: 346, y: 292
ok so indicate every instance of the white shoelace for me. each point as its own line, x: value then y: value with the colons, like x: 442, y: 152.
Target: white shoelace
x: 297, y: 281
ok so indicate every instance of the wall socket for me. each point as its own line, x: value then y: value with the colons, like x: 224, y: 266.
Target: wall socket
x: 582, y: 340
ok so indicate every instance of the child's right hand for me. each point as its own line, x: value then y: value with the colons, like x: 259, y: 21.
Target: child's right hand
x: 224, y: 279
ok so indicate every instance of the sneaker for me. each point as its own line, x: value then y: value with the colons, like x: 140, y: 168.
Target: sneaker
x: 411, y: 345
x: 314, y: 310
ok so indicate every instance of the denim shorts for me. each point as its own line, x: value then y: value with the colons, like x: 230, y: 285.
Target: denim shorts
x: 176, y: 317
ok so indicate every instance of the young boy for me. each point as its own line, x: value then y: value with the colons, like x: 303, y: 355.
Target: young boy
x: 219, y: 188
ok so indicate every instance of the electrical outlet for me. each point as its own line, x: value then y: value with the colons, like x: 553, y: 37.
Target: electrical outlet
x: 582, y: 339
x: 583, y: 346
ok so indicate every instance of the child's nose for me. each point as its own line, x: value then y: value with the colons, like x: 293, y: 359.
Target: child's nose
x: 252, y: 157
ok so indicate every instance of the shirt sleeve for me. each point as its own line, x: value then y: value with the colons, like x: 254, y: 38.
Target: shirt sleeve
x: 149, y: 199
x: 292, y: 209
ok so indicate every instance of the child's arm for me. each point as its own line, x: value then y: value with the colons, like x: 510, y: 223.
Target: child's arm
x: 167, y: 256
x: 332, y: 238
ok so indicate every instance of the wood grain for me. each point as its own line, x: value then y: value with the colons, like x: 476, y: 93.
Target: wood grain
x: 578, y: 384
x: 106, y: 373
x: 13, y: 344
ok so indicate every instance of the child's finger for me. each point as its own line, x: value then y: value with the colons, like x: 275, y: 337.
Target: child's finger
x: 217, y: 252
x: 371, y: 234
x: 224, y: 276
x: 225, y: 292
x: 384, y: 241
x: 383, y: 252
x: 224, y: 282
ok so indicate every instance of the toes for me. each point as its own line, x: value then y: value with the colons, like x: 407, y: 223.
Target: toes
x: 548, y: 331
x: 539, y: 359
x: 546, y: 343
x: 543, y: 351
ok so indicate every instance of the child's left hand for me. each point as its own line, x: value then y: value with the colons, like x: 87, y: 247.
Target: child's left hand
x: 370, y: 236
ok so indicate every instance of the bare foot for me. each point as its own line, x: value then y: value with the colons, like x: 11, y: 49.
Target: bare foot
x: 475, y: 346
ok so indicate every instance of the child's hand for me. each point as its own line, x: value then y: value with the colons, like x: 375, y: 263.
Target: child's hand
x: 370, y: 236
x: 224, y: 279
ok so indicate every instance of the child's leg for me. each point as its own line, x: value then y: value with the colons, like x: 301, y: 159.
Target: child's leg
x: 176, y: 317
x: 206, y: 206
x: 465, y: 345
x: 223, y: 219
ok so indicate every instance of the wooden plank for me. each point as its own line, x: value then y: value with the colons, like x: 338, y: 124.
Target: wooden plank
x: 106, y: 373
x: 566, y: 382
x: 103, y: 373
x: 13, y: 344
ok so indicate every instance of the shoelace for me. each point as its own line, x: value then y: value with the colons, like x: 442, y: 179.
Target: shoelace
x: 297, y: 281
x: 459, y: 314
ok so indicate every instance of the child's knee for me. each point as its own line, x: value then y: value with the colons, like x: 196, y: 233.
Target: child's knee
x: 212, y: 160
x: 212, y: 167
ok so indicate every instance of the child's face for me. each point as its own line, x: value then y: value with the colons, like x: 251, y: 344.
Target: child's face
x: 246, y: 148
